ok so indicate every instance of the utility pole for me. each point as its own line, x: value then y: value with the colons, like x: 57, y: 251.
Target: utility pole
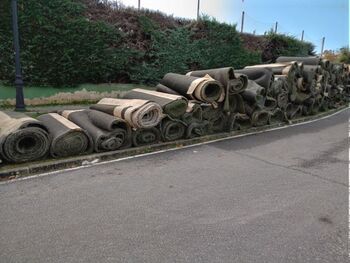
x: 198, y: 8
x: 276, y: 25
x: 242, y: 23
x: 20, y: 106
x: 302, y: 35
x: 139, y: 5
x: 322, y: 48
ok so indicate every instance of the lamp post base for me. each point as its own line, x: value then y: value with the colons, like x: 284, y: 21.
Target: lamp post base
x: 20, y: 106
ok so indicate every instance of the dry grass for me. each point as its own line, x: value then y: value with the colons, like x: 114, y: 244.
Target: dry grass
x: 78, y: 97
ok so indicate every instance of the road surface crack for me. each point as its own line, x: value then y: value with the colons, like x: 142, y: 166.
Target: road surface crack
x: 293, y: 169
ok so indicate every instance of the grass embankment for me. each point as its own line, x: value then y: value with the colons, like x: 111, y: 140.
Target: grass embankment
x: 86, y: 93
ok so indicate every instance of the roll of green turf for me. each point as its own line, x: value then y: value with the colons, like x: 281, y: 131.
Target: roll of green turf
x: 253, y: 94
x: 193, y: 113
x: 232, y: 124
x: 290, y: 84
x: 305, y: 60
x: 67, y: 139
x: 249, y: 109
x: 197, y: 129
x: 173, y: 105
x: 288, y: 111
x: 239, y: 84
x: 301, y: 97
x: 260, y: 118
x: 216, y: 118
x: 270, y: 103
x: 243, y: 121
x: 307, y: 110
x: 218, y: 124
x: 223, y: 75
x: 142, y: 137
x: 137, y: 113
x: 233, y: 83
x: 281, y: 68
x: 278, y: 86
x: 324, y: 104
x: 205, y: 89
x: 308, y: 107
x: 236, y: 103
x: 108, y: 133
x: 172, y: 130
x: 316, y: 106
x: 22, y: 139
x: 296, y: 111
x: 278, y: 116
x: 262, y: 76
x: 194, y: 116
x: 164, y: 89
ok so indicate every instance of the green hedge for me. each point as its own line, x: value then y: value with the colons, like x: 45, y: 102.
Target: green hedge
x: 179, y: 50
x: 282, y: 45
x: 60, y: 46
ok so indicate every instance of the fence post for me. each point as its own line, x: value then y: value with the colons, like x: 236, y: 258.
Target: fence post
x: 198, y: 8
x: 322, y: 48
x: 242, y: 23
x: 276, y: 25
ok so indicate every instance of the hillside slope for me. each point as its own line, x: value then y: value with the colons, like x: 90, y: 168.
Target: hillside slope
x: 66, y: 42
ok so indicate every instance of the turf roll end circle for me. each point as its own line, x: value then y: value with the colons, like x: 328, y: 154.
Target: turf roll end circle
x: 22, y: 138
x: 142, y: 137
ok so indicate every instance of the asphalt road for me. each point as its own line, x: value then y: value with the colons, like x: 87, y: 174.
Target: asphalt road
x: 280, y: 196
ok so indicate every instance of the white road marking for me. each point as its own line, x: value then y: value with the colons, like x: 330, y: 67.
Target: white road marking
x: 172, y: 149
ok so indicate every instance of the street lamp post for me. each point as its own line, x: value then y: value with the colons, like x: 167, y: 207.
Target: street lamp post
x: 19, y: 80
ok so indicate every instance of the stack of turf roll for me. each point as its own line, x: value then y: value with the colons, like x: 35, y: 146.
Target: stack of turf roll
x: 181, y: 107
x: 222, y: 117
x: 142, y: 115
x: 174, y: 107
x: 289, y: 77
x: 329, y: 81
x: 203, y: 92
x: 204, y: 89
x: 273, y: 96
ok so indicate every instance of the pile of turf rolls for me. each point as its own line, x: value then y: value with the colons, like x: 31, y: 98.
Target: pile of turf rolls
x: 195, y: 104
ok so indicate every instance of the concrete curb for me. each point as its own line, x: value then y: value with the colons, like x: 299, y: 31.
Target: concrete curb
x: 9, y: 172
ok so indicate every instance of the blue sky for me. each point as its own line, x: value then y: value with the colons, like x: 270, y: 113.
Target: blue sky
x: 319, y: 18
